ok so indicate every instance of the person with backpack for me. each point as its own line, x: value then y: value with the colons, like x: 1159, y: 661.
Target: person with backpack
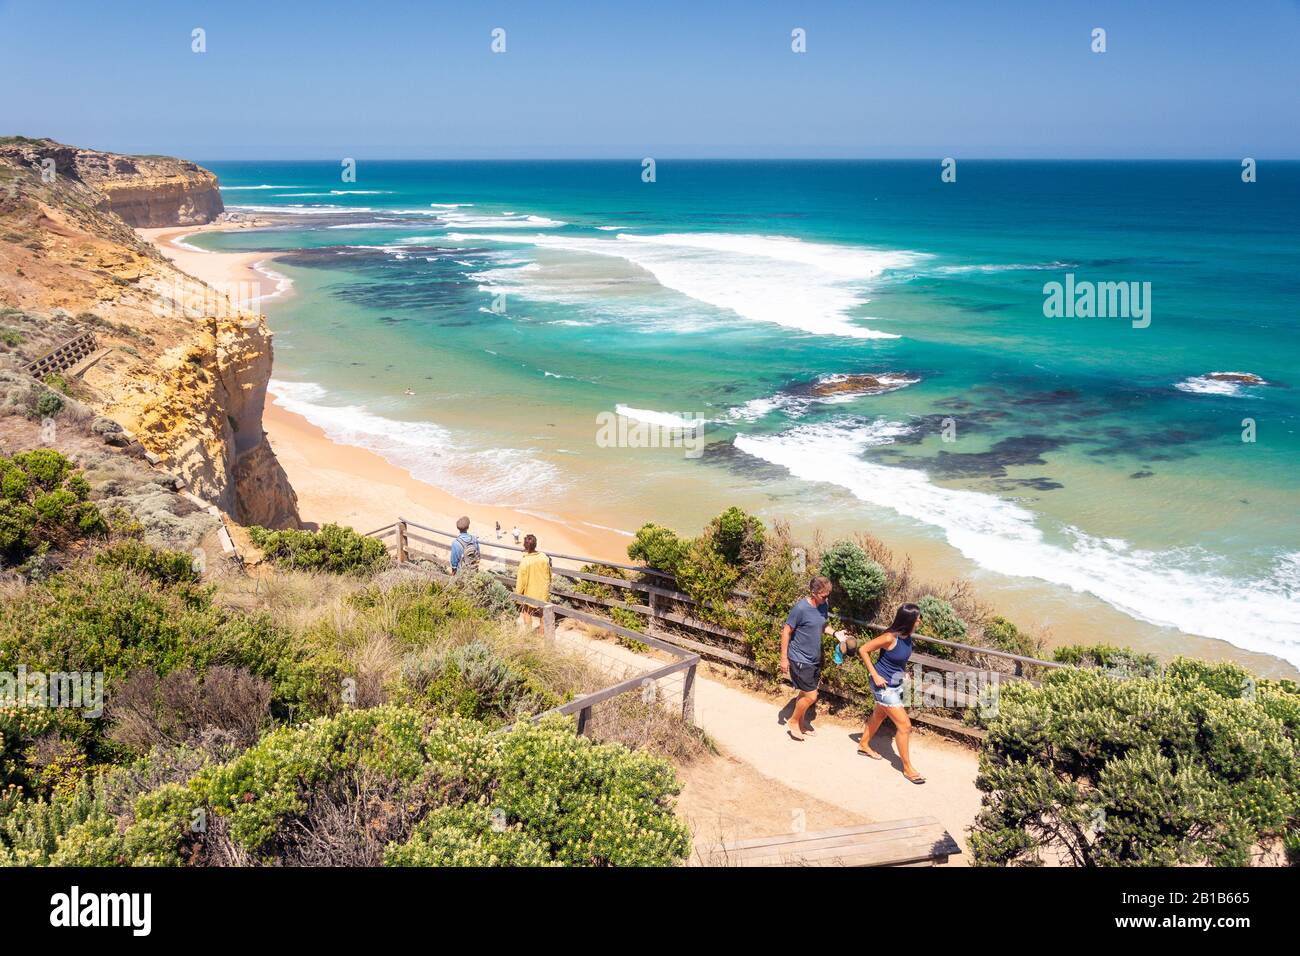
x: 465, y: 550
x: 533, y: 580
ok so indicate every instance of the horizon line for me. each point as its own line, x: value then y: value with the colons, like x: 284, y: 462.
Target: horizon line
x: 743, y: 159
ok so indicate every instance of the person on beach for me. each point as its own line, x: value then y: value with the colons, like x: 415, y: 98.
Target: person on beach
x: 887, y: 672
x: 801, y: 652
x: 534, y: 581
x: 465, y: 550
x: 516, y: 533
x: 498, y: 530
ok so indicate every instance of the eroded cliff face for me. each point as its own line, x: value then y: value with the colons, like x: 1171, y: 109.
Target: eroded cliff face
x: 188, y: 368
x: 144, y: 191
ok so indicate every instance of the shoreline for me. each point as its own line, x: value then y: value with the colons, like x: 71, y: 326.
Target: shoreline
x: 345, y: 484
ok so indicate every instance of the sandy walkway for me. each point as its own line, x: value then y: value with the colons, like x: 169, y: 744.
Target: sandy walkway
x: 827, y: 769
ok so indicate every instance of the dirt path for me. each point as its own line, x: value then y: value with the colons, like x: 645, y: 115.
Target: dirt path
x: 814, y: 782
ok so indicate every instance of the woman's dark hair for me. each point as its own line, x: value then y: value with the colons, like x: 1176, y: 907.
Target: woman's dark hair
x: 530, y: 543
x: 905, y: 619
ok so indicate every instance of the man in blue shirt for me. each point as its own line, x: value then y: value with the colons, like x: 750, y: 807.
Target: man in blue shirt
x: 464, y: 550
x: 801, y: 651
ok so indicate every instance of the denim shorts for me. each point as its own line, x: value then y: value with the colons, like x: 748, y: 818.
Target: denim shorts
x: 888, y: 696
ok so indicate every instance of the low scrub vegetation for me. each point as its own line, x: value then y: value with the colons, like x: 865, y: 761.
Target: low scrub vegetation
x: 1194, y: 764
x: 333, y: 548
x: 341, y: 715
x: 44, y: 505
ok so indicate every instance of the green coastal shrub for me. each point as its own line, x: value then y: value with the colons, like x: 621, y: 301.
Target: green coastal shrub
x: 738, y: 537
x: 44, y: 504
x: 705, y: 574
x: 659, y: 547
x: 333, y: 548
x: 858, y: 581
x: 471, y: 681
x: 49, y: 404
x: 487, y: 592
x: 536, y: 795
x: 114, y: 619
x: 939, y: 619
x: 1197, y: 765
x: 619, y: 615
x: 1123, y: 661
x: 168, y: 568
x: 468, y: 835
x: 775, y: 589
x: 1006, y: 636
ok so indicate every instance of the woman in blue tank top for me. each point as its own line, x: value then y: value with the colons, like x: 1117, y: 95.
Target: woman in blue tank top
x: 887, y: 673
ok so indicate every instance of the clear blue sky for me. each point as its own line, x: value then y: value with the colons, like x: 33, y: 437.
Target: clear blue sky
x: 665, y: 78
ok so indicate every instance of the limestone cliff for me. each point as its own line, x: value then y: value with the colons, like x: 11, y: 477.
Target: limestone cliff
x: 188, y: 368
x: 144, y: 191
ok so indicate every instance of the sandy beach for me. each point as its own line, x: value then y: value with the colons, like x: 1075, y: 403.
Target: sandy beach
x: 352, y: 486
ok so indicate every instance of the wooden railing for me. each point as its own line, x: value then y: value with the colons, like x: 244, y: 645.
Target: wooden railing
x: 656, y: 602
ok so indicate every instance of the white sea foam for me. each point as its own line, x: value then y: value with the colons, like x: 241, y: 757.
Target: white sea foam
x: 180, y: 243
x: 430, y: 452
x: 300, y: 209
x: 382, y: 224
x: 231, y: 189
x: 1185, y: 589
x: 1207, y: 385
x: 282, y: 282
x: 662, y: 419
x: 509, y: 221
x: 1006, y: 267
x: 808, y: 286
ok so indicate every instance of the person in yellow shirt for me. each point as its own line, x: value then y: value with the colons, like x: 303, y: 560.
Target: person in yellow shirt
x: 533, y: 580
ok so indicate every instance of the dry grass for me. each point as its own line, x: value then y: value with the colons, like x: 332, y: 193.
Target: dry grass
x: 292, y: 599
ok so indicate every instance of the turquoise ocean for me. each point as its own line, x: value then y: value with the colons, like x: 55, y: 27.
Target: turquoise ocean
x: 470, y: 321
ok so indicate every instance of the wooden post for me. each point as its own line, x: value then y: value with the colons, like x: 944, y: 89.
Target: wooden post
x: 653, y: 624
x: 548, y: 625
x: 688, y: 696
x: 401, y: 541
x: 584, y: 722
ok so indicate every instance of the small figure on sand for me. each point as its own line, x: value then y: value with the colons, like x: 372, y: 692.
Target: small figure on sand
x: 498, y: 530
x: 533, y: 580
x: 887, y: 679
x: 516, y: 533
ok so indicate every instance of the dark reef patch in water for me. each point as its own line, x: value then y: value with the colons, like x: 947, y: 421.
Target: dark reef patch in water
x: 1037, y: 484
x: 1007, y: 453
x: 728, y: 456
